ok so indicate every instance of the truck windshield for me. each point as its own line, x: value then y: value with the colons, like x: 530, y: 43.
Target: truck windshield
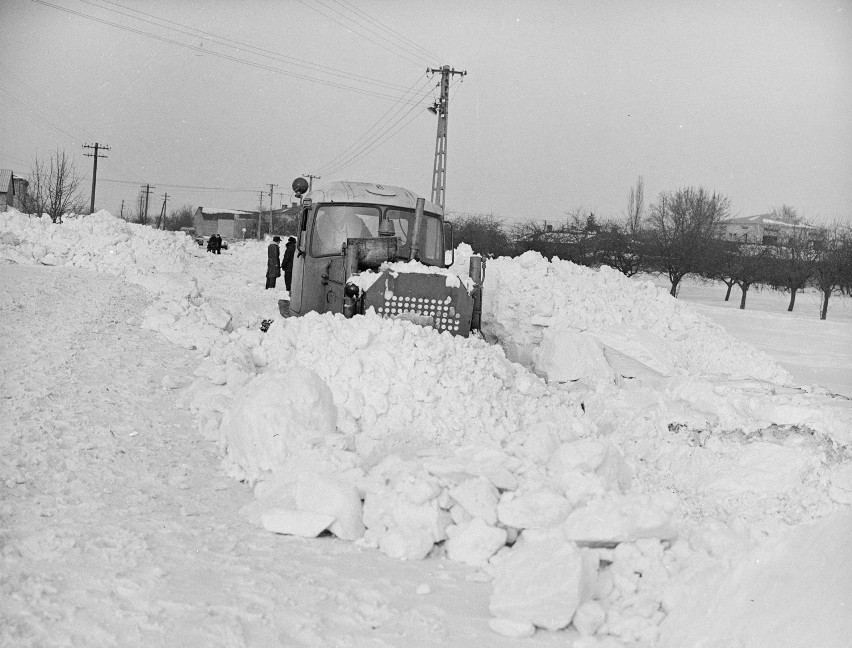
x: 336, y: 223
x: 430, y: 242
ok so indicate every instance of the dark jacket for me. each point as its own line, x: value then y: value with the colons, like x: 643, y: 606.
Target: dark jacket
x: 273, y: 267
x: 289, y: 253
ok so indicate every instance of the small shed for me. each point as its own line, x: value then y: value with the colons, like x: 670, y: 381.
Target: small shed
x: 13, y: 190
x: 227, y: 223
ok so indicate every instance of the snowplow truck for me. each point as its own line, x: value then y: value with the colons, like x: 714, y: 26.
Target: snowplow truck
x: 354, y: 246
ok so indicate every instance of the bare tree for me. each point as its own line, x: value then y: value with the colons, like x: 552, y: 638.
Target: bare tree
x: 536, y: 236
x: 786, y: 214
x: 180, y: 217
x: 636, y: 207
x: 751, y: 266
x: 54, y: 187
x: 619, y: 249
x: 483, y: 232
x: 833, y: 265
x: 684, y: 224
x: 722, y: 264
x: 793, y: 264
x: 579, y: 237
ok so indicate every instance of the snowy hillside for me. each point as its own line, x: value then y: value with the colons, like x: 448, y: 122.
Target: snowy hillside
x: 606, y: 467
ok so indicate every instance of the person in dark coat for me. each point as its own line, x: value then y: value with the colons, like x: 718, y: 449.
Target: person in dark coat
x: 273, y: 262
x: 217, y: 247
x: 211, y: 244
x: 287, y: 261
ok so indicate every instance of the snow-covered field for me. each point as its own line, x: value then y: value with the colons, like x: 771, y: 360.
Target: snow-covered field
x: 609, y: 467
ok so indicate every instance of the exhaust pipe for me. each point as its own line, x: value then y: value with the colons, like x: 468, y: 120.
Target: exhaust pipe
x: 477, y: 273
x: 415, y: 235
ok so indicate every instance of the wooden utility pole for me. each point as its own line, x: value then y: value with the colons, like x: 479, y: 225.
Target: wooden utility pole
x: 94, y: 155
x: 162, y: 222
x: 441, y: 108
x: 259, y: 214
x: 311, y: 180
x: 270, y: 205
x: 148, y: 188
x: 122, y: 209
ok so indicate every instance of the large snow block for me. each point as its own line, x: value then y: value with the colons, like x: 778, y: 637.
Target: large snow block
x: 475, y: 542
x: 536, y: 509
x: 566, y: 355
x: 621, y: 518
x: 543, y: 581
x: 321, y: 494
x: 272, y: 417
x: 478, y: 497
x: 401, y: 528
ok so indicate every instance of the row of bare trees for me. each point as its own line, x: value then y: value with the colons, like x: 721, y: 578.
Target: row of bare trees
x: 679, y: 235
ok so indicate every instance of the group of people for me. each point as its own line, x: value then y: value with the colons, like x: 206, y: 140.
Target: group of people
x: 214, y: 244
x: 274, y: 263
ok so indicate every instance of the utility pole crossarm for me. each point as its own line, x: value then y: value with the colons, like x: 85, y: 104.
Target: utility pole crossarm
x: 95, y: 155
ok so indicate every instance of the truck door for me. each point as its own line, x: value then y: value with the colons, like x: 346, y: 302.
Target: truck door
x: 297, y: 286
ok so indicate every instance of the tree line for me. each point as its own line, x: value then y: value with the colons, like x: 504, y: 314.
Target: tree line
x: 679, y: 234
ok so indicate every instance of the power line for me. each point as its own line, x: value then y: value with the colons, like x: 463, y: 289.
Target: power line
x: 221, y: 55
x: 387, y: 136
x: 388, y: 30
x: 35, y: 113
x: 18, y: 81
x: 410, y: 60
x: 358, y: 144
x: 178, y: 186
x: 239, y: 46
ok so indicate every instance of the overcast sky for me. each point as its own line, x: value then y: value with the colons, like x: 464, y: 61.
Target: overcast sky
x: 564, y: 105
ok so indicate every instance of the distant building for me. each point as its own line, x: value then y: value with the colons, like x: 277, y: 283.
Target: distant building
x: 239, y: 224
x: 765, y: 229
x: 227, y: 223
x: 13, y: 190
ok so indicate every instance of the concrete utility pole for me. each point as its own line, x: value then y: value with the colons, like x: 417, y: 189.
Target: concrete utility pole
x: 441, y: 108
x: 270, y: 205
x: 311, y: 180
x: 148, y: 189
x: 94, y: 155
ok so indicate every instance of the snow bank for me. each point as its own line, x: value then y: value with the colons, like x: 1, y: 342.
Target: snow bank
x: 97, y: 242
x: 533, y: 306
x: 793, y: 590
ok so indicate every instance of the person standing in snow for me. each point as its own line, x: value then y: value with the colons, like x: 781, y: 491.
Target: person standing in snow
x: 287, y: 262
x: 211, y: 244
x: 273, y: 262
x: 217, y: 246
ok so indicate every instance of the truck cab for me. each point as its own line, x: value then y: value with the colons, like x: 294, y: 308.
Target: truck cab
x: 356, y: 210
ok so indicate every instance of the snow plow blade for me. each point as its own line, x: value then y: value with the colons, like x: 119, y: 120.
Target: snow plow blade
x: 422, y: 298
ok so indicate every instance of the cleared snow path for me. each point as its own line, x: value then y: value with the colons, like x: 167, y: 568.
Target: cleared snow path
x: 119, y: 527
